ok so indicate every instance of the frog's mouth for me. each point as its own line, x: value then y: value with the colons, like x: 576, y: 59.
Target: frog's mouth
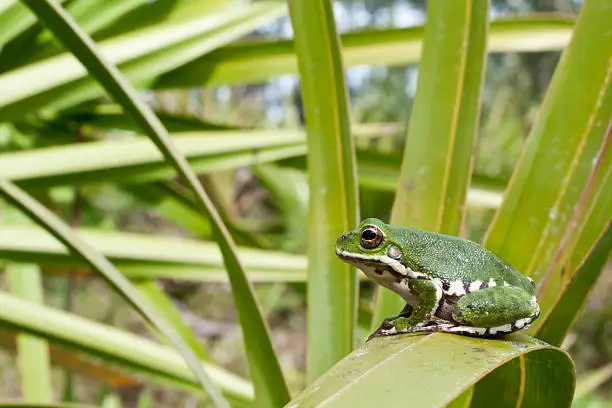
x: 378, y: 262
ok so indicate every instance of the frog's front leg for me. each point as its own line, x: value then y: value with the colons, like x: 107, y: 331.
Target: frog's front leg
x: 413, y: 319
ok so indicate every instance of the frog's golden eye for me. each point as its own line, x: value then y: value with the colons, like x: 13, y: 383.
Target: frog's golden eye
x: 371, y: 237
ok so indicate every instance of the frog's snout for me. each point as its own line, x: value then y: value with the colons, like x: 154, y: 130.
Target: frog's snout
x: 341, y: 241
x: 344, y: 241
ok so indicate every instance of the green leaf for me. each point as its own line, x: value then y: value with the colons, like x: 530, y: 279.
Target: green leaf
x: 257, y: 61
x: 32, y: 353
x: 141, y: 256
x: 433, y: 370
x: 555, y: 325
x: 437, y: 163
x: 143, y: 55
x: 558, y: 200
x: 268, y: 380
x: 109, y: 273
x: 136, y: 160
x: 333, y: 206
x: 94, y: 15
x: 123, y: 349
x: 164, y: 305
x: 529, y: 381
x: 14, y: 19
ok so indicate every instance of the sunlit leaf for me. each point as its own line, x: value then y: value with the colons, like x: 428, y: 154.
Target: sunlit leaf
x: 63, y: 233
x: 61, y: 81
x: 123, y: 349
x: 141, y: 256
x: 268, y: 380
x: 333, y: 205
x: 32, y: 353
x: 137, y: 160
x: 257, y: 61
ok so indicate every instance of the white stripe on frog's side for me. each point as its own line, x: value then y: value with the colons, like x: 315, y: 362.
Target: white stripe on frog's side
x: 491, y: 283
x: 520, y: 323
x: 439, y: 292
x: 473, y: 330
x: 455, y: 288
x: 396, y: 265
x: 506, y: 328
x: 474, y: 286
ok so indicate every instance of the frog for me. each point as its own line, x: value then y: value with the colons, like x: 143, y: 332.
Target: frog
x: 450, y: 284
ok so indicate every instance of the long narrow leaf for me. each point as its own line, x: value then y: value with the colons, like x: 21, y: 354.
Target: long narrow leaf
x: 333, y: 206
x: 556, y: 325
x: 143, y: 55
x: 160, y: 301
x: 126, y: 350
x: 33, y: 353
x: 141, y: 256
x: 137, y: 160
x: 554, y: 209
x: 436, y: 168
x: 258, y: 61
x: 109, y: 273
x: 270, y: 387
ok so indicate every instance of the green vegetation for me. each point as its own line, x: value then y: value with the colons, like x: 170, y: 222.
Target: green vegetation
x: 167, y: 239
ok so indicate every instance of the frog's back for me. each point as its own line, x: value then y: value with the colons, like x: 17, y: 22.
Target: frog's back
x: 453, y: 259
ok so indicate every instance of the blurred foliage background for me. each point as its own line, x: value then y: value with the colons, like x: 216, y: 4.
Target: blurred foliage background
x: 265, y: 205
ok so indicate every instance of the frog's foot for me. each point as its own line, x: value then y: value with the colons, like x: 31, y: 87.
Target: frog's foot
x: 393, y: 326
x: 389, y: 329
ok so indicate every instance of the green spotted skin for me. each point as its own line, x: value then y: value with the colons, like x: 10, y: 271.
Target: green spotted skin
x: 450, y: 284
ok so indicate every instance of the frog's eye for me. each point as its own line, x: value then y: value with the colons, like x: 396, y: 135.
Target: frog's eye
x: 371, y: 237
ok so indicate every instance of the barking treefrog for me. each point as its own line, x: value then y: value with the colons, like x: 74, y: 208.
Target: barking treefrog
x: 450, y: 284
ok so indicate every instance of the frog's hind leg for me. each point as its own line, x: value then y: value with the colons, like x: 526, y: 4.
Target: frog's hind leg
x: 494, y: 311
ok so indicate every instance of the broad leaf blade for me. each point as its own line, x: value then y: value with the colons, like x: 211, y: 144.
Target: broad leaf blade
x: 333, y: 202
x: 437, y: 163
x: 407, y: 370
x: 270, y: 387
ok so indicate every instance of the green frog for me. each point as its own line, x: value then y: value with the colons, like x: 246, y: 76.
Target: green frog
x: 450, y: 284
